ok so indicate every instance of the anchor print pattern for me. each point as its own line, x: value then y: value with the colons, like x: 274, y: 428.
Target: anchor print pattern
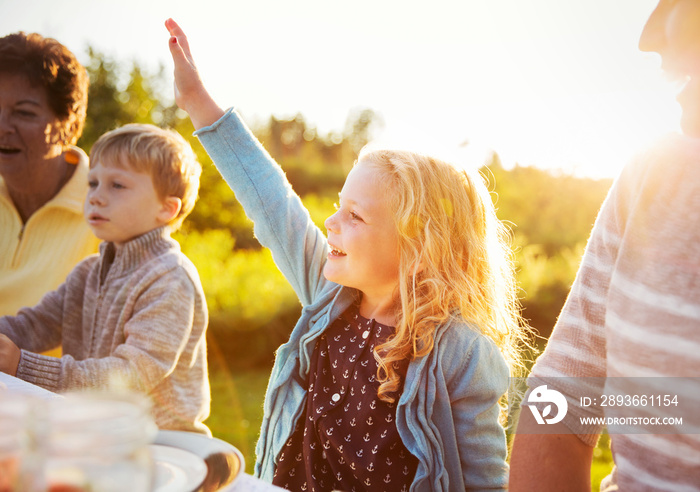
x: 347, y: 436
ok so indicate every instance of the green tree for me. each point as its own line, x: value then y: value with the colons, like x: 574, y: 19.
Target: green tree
x: 117, y: 97
x: 552, y: 210
x: 104, y: 110
x: 550, y: 214
x: 359, y: 128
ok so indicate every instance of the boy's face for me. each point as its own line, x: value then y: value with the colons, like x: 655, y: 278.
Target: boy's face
x: 122, y: 204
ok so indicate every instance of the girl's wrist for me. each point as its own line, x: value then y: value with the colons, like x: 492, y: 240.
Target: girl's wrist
x: 203, y: 110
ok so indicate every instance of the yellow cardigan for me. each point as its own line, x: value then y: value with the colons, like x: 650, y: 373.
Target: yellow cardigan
x: 36, y: 257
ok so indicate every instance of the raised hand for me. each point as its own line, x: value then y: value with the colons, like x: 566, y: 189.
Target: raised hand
x: 190, y: 93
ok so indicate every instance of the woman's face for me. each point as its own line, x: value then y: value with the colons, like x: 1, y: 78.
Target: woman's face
x: 29, y: 132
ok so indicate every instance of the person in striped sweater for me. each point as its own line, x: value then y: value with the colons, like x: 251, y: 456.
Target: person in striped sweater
x: 634, y: 308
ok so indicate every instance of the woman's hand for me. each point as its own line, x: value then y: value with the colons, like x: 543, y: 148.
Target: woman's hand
x: 190, y: 93
x: 9, y: 356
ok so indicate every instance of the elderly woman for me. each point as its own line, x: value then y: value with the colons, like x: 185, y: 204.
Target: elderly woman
x: 43, y: 177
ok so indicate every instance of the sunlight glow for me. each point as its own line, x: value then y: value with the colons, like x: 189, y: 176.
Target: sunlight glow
x: 555, y: 84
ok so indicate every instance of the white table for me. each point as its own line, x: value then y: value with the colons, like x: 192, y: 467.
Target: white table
x: 248, y: 483
x: 17, y: 385
x: 184, y: 440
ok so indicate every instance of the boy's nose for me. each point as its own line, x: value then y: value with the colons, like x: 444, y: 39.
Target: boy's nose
x: 95, y: 198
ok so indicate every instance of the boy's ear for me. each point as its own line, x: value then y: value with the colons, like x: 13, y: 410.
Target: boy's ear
x: 171, y: 207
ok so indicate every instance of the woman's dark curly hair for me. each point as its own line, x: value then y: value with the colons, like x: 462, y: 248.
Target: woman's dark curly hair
x: 47, y: 63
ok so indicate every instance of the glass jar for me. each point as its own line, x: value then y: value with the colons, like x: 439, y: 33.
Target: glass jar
x: 18, y: 462
x: 13, y: 412
x: 98, y: 443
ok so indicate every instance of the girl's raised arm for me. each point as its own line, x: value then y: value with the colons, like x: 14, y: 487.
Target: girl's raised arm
x: 190, y: 93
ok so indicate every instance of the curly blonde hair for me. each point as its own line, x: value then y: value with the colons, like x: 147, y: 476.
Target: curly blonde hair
x: 454, y: 260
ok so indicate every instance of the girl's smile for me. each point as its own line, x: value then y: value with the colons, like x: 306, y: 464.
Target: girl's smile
x: 335, y: 252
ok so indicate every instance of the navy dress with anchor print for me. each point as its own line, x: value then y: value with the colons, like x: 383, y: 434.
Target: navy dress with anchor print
x: 347, y: 439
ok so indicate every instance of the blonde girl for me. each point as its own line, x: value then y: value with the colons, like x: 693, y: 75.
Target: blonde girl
x: 391, y: 378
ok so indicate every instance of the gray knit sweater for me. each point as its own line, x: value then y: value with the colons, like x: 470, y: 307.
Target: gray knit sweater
x: 133, y: 314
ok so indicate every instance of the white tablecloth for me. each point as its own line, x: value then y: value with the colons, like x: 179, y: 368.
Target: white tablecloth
x: 248, y: 483
x: 19, y: 386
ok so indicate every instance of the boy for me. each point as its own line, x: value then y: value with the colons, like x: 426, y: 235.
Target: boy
x: 135, y: 313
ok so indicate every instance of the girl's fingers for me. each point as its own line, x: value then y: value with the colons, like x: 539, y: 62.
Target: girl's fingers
x: 176, y: 31
x: 190, y: 93
x: 177, y: 52
x: 173, y: 28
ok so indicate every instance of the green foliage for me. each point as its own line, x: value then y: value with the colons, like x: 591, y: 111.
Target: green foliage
x: 104, y: 110
x: 551, y: 216
x: 554, y: 211
x: 238, y: 286
x: 252, y: 308
x: 544, y: 282
x: 218, y: 209
x: 320, y: 207
x: 115, y: 99
x: 316, y: 178
x: 295, y: 144
x: 250, y: 303
x: 236, y: 409
x: 602, y: 462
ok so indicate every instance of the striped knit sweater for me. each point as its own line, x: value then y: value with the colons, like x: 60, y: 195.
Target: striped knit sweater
x: 133, y: 315
x: 634, y: 309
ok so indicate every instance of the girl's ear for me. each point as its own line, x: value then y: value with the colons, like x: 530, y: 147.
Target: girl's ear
x: 171, y: 207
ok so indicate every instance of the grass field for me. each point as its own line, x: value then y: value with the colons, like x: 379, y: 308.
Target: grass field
x: 236, y: 415
x: 236, y: 410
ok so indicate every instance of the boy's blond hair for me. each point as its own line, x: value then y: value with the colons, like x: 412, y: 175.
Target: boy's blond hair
x: 162, y: 153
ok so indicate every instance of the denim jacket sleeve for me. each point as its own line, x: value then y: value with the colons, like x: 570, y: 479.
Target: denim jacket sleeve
x: 299, y: 248
x: 281, y: 223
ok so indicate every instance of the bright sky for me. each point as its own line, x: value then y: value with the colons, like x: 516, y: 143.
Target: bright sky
x: 553, y: 83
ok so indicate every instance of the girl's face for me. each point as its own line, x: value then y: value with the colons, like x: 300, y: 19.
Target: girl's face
x: 362, y: 236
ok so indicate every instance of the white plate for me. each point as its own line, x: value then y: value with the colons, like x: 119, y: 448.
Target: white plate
x: 226, y: 462
x: 176, y: 470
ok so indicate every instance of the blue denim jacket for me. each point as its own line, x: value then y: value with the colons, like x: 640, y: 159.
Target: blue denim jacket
x: 448, y: 413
